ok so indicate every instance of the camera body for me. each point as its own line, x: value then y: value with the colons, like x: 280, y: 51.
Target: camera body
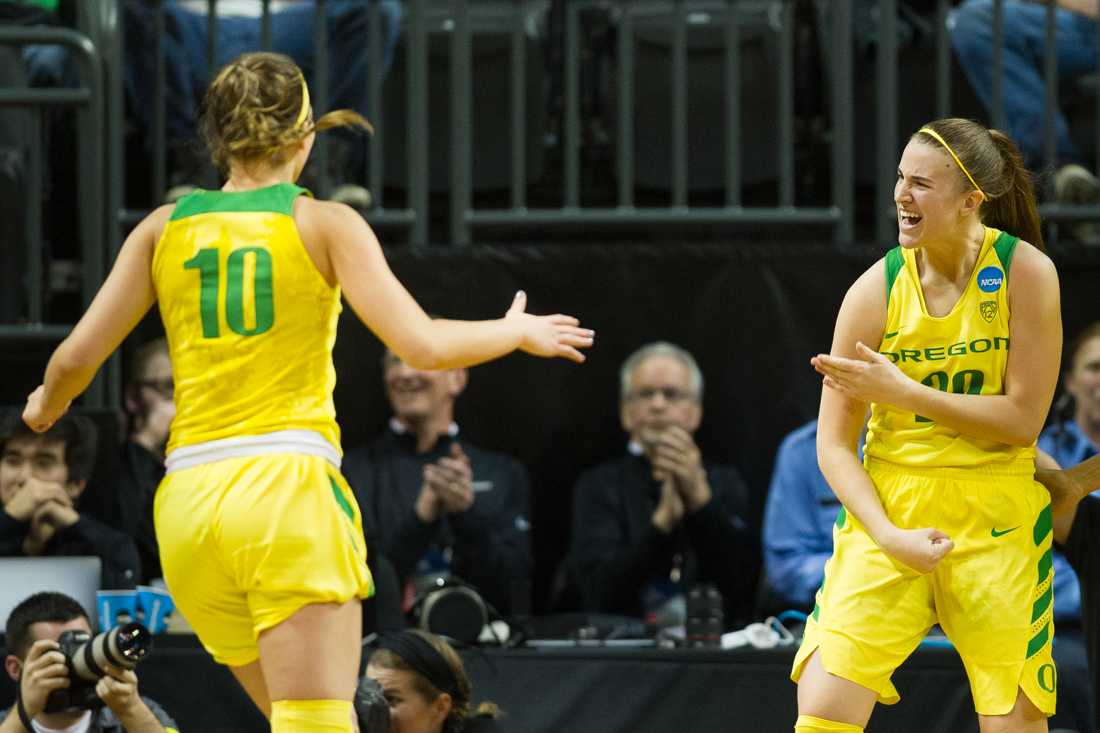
x: 371, y: 707
x: 87, y: 658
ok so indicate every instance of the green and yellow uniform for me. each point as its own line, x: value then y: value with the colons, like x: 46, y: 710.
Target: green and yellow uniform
x: 993, y: 594
x: 253, y: 518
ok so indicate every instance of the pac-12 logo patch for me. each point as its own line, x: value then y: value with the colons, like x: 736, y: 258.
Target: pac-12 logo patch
x: 988, y: 309
x: 990, y: 279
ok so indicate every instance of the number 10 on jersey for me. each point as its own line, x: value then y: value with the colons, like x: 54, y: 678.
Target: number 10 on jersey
x: 238, y: 286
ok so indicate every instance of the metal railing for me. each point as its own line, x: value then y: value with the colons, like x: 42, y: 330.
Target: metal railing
x: 88, y: 99
x: 887, y: 103
x: 461, y: 23
x: 730, y: 14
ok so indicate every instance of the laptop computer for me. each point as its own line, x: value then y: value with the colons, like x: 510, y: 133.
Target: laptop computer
x: 22, y: 577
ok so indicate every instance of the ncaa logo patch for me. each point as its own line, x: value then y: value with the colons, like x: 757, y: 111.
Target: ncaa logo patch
x: 990, y: 279
x: 988, y: 309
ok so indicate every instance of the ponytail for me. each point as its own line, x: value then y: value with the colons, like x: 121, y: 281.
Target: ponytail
x: 1013, y: 209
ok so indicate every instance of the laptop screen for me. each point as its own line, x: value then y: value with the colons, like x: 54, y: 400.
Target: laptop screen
x: 22, y: 577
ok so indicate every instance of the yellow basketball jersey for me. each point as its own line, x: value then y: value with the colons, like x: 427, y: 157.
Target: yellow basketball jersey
x: 964, y: 352
x: 250, y: 321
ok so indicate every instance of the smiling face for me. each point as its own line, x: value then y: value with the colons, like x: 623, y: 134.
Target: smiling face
x: 1083, y: 382
x: 932, y: 202
x: 419, y: 396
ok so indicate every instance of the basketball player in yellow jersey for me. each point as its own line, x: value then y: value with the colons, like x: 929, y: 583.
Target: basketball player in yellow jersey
x: 943, y: 521
x: 261, y: 540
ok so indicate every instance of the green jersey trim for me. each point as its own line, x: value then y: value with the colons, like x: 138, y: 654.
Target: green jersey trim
x: 1006, y: 247
x: 895, y: 261
x: 278, y: 199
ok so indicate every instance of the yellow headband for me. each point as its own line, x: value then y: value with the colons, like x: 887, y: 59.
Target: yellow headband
x: 929, y: 131
x: 304, y: 111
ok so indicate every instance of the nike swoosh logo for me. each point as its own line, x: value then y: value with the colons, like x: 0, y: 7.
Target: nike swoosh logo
x: 891, y: 335
x: 995, y: 533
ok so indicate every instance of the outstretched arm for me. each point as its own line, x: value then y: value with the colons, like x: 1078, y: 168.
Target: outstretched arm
x: 124, y: 298
x: 387, y: 308
x: 1014, y: 418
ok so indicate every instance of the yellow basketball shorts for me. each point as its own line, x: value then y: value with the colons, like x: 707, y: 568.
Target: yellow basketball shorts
x: 247, y: 542
x: 992, y: 594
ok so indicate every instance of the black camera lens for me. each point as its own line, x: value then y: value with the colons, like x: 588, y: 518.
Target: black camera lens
x: 132, y: 643
x: 122, y: 647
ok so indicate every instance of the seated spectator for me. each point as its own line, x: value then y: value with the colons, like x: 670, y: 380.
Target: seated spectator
x: 239, y: 30
x: 41, y: 480
x: 1070, y: 440
x: 439, y: 505
x: 149, y: 408
x: 1076, y: 519
x: 35, y: 663
x: 972, y: 36
x: 648, y: 525
x: 1075, y: 437
x: 426, y: 685
x: 798, y: 521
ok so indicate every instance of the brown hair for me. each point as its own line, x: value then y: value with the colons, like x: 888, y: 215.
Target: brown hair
x: 251, y: 111
x: 145, y: 354
x: 995, y: 164
x: 460, y: 698
x: 1085, y: 335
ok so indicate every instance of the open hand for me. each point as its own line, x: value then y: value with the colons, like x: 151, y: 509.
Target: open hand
x: 452, y: 480
x: 871, y: 377
x: 550, y: 336
x: 674, y: 454
x: 670, y: 508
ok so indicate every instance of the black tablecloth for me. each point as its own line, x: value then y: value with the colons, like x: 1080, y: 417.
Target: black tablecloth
x: 595, y: 690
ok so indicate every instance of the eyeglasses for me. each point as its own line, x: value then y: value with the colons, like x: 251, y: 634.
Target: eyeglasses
x: 164, y: 387
x: 670, y: 394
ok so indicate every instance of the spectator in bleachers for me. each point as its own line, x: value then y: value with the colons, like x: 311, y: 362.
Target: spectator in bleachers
x: 440, y: 505
x: 34, y: 662
x: 1076, y: 519
x: 41, y: 479
x: 427, y: 687
x: 648, y: 525
x: 239, y: 30
x: 972, y: 36
x: 1072, y: 439
x: 149, y: 412
x: 798, y: 521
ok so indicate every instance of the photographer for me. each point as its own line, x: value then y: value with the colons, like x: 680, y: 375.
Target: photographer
x: 425, y: 683
x: 35, y: 661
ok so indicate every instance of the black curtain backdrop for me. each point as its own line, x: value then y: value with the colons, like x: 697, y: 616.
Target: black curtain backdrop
x: 752, y: 315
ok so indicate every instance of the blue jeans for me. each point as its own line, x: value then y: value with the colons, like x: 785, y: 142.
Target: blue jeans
x: 971, y: 29
x: 188, y: 73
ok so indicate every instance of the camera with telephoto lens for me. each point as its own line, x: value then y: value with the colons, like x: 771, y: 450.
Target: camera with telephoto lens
x: 88, y: 656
